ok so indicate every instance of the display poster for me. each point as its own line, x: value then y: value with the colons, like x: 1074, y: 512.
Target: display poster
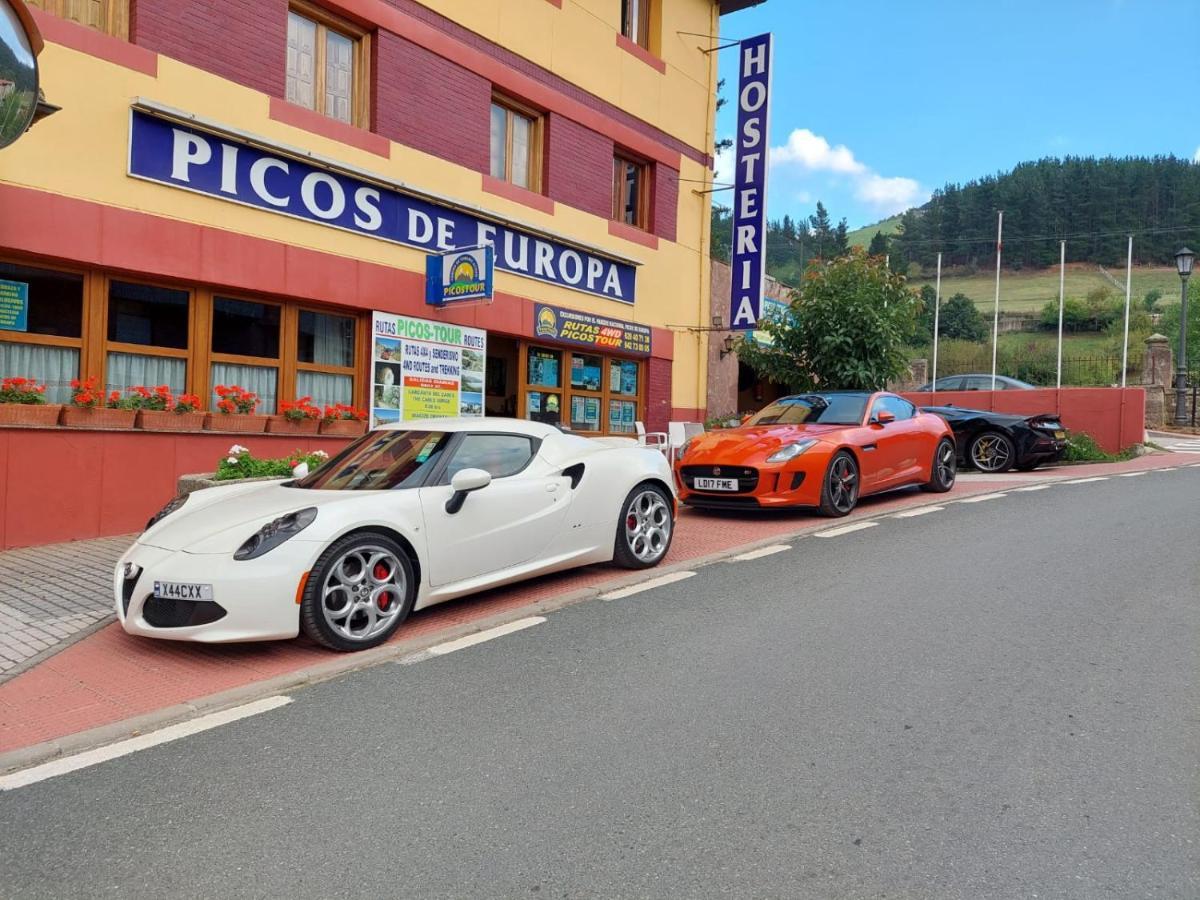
x: 543, y: 368
x: 14, y: 305
x: 425, y: 370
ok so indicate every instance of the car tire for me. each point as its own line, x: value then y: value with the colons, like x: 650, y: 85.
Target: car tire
x: 992, y: 452
x: 943, y: 469
x: 840, y: 485
x: 358, y: 593
x: 645, y: 529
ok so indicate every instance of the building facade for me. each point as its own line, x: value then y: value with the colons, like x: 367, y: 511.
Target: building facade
x: 240, y: 192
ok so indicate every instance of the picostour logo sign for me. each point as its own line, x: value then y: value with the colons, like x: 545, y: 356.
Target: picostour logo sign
x: 458, y: 276
x: 231, y: 169
x: 586, y: 330
x: 750, y: 182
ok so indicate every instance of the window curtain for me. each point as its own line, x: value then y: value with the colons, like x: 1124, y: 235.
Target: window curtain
x: 326, y: 390
x: 55, y: 367
x: 261, y: 380
x: 126, y: 370
x: 333, y: 341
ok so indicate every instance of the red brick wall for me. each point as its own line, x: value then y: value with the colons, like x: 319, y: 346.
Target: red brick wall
x: 579, y: 166
x: 244, y: 42
x: 665, y: 200
x: 427, y: 102
x: 658, y: 394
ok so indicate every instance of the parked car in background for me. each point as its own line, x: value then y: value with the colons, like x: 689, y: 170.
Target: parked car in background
x: 996, y: 442
x: 821, y: 450
x: 403, y: 518
x: 977, y: 383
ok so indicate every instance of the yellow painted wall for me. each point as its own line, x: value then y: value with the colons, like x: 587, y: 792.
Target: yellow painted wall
x: 81, y: 152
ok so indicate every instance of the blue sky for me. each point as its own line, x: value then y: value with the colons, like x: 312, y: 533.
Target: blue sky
x: 877, y: 103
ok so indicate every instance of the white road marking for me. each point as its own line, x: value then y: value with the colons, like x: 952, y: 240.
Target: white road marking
x: 919, y: 511
x: 660, y: 581
x: 981, y: 497
x: 845, y: 529
x: 760, y: 552
x: 1167, y: 469
x: 1033, y: 487
x: 1194, y: 465
x: 67, y: 764
x: 1085, y: 480
x: 480, y: 637
x: 1134, y: 474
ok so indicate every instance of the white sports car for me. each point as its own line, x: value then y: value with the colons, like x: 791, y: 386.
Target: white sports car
x: 406, y: 516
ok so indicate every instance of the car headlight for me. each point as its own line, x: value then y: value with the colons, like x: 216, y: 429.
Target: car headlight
x: 171, y: 507
x: 790, y: 451
x: 275, y: 533
x: 683, y: 448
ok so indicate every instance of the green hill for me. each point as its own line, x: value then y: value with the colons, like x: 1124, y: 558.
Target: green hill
x: 862, y: 237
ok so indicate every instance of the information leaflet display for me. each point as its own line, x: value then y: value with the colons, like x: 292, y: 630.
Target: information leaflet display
x: 425, y: 370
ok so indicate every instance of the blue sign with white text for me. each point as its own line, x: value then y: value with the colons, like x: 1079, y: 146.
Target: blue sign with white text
x: 750, y: 182
x: 234, y: 170
x: 460, y: 275
x: 14, y: 305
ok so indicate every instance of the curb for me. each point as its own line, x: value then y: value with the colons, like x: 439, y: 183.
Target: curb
x: 394, y: 652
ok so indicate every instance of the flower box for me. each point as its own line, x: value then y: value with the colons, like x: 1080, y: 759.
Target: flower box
x: 344, y: 427
x: 284, y: 425
x: 169, y: 420
x: 236, y: 422
x: 98, y: 417
x: 36, y: 415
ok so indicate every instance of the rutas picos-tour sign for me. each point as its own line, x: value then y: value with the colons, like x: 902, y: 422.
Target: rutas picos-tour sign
x: 249, y: 173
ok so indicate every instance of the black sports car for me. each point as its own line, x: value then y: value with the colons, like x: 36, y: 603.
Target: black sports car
x: 995, y: 442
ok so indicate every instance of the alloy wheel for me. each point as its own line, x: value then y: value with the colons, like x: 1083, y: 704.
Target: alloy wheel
x: 363, y: 592
x: 946, y: 464
x: 843, y: 484
x: 648, y: 526
x: 991, y: 453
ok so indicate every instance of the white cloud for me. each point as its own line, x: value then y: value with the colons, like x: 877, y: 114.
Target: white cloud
x: 723, y: 166
x: 811, y: 152
x: 1196, y: 158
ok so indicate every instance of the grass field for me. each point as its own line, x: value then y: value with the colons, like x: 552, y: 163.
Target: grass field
x: 1030, y: 291
x: 861, y: 237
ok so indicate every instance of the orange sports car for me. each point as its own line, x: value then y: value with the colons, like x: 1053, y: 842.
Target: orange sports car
x: 823, y: 450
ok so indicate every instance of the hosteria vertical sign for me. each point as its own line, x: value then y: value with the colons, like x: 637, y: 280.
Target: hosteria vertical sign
x: 750, y: 182
x: 425, y: 370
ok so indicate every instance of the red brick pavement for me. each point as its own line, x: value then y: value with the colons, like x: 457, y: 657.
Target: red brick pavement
x: 111, y: 676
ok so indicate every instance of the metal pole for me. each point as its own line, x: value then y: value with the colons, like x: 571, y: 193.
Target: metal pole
x: 1062, y: 283
x: 937, y: 309
x: 1181, y: 370
x: 1128, y: 285
x: 996, y: 314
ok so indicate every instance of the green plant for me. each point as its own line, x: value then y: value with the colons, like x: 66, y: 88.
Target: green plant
x: 1082, y: 447
x: 847, y: 329
x: 143, y: 398
x: 86, y: 395
x: 300, y: 410
x: 342, y: 411
x: 186, y: 403
x: 24, y: 391
x: 1151, y: 299
x: 235, y: 399
x: 241, y: 463
x: 731, y: 420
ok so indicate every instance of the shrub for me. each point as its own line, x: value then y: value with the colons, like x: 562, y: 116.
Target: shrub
x: 241, y: 463
x: 1082, y: 447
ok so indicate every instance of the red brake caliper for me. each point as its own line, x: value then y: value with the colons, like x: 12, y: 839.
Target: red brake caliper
x: 385, y: 599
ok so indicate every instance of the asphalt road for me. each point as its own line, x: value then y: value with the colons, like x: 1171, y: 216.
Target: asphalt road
x: 995, y: 700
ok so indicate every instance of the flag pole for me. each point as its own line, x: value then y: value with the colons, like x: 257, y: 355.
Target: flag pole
x: 1062, y: 282
x: 937, y: 308
x: 996, y: 313
x: 1128, y: 286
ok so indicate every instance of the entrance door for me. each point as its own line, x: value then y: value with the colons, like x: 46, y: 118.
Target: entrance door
x: 507, y: 523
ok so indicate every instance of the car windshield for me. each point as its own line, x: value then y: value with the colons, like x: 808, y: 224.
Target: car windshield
x: 811, y: 409
x: 379, y: 461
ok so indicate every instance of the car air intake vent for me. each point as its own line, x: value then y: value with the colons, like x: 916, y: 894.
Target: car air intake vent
x: 164, y: 613
x: 575, y: 473
x: 128, y: 583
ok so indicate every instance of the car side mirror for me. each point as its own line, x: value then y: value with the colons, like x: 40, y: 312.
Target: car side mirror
x: 300, y: 470
x: 883, y: 417
x: 466, y: 481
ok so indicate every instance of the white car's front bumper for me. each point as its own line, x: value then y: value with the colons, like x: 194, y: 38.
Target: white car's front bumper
x: 254, y: 600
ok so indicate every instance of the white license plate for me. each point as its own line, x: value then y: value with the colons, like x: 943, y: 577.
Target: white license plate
x: 716, y: 484
x: 180, y: 590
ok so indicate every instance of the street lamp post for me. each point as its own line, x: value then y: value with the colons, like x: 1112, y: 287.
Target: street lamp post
x: 1183, y: 262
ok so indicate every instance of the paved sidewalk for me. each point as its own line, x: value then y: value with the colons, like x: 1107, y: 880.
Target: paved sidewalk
x: 52, y: 593
x: 109, y: 677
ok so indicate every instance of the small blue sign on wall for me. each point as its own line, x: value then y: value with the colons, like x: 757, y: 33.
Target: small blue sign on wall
x: 14, y: 305
x: 459, y: 275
